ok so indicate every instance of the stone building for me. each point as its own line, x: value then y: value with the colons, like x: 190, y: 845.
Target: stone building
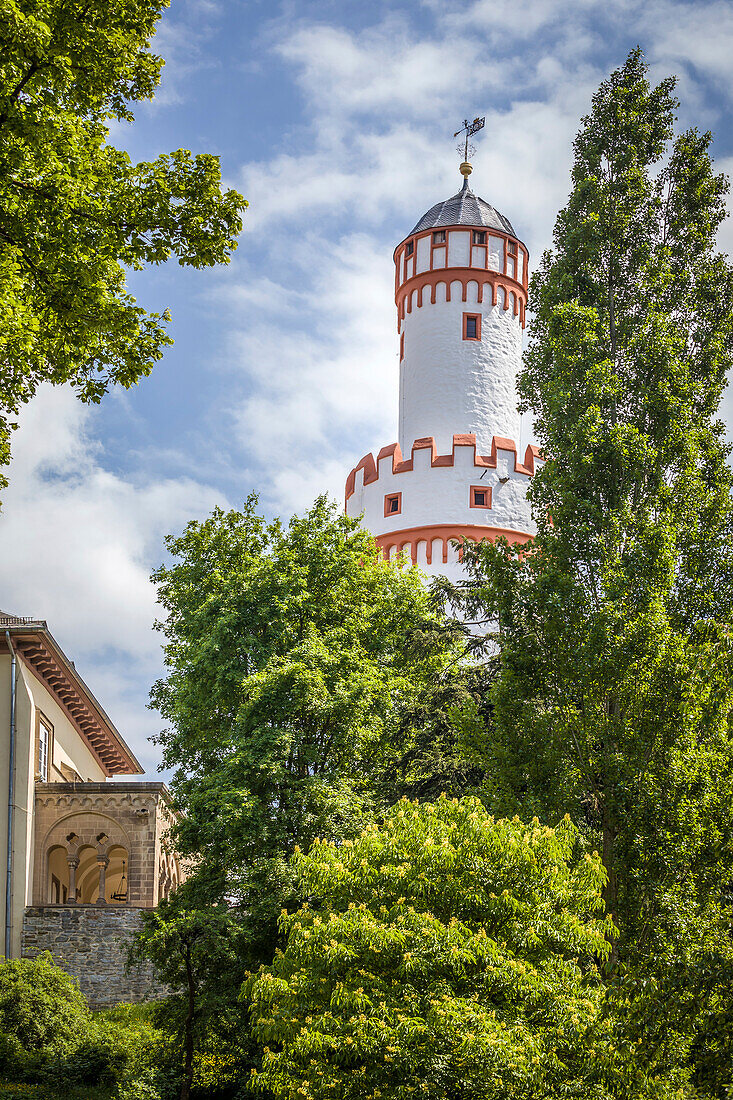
x: 86, y: 850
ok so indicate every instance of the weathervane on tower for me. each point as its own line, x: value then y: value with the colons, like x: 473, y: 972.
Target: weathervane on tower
x: 469, y: 129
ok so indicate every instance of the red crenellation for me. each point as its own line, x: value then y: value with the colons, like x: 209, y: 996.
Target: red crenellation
x: 399, y: 465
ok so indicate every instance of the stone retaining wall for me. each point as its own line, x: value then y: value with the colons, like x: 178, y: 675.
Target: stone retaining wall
x: 90, y: 942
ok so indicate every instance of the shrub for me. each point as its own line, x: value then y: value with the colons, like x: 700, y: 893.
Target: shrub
x: 42, y: 1009
x: 136, y: 1055
x: 51, y: 1045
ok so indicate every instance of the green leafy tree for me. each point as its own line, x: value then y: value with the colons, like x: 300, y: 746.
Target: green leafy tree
x: 298, y: 664
x: 193, y: 951
x: 293, y: 655
x: 613, y: 695
x: 444, y: 954
x: 75, y: 212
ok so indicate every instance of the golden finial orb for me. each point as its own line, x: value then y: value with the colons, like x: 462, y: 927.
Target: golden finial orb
x: 466, y: 169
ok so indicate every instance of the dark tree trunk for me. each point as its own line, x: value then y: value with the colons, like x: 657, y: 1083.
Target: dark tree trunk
x: 610, y: 891
x: 188, y: 1032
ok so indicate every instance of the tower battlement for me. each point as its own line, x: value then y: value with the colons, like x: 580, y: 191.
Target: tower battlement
x: 474, y: 495
x: 370, y: 469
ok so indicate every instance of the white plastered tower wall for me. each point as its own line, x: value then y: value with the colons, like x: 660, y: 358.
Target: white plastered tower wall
x: 434, y: 400
x: 460, y: 291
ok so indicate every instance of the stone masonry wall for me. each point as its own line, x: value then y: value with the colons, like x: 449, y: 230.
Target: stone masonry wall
x: 90, y: 942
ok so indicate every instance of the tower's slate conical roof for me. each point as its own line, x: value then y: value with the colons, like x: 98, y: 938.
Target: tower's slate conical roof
x: 465, y: 208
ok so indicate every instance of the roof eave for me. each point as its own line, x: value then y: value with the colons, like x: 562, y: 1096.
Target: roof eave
x: 40, y: 628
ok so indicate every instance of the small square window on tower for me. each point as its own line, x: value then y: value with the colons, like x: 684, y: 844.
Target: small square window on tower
x: 409, y: 248
x: 479, y: 236
x: 511, y: 247
x: 392, y: 504
x: 439, y: 236
x: 480, y: 496
x: 471, y: 326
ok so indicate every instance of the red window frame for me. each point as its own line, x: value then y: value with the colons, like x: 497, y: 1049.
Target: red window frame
x: 486, y: 490
x: 477, y: 317
x: 392, y: 511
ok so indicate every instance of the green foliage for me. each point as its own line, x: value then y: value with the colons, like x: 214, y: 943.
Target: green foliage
x: 51, y: 1090
x: 130, y: 1045
x: 445, y: 954
x: 293, y: 656
x: 177, y: 938
x: 614, y: 692
x: 433, y: 759
x: 195, y: 952
x: 76, y: 212
x: 299, y: 664
x: 42, y: 1009
x: 51, y: 1045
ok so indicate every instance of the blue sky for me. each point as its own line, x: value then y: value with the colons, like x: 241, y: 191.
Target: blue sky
x: 335, y: 120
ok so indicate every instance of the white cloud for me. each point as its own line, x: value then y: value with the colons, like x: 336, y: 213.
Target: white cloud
x: 517, y: 19
x: 320, y: 376
x: 696, y: 36
x: 316, y: 340
x: 364, y: 173
x: 78, y: 544
x: 383, y: 69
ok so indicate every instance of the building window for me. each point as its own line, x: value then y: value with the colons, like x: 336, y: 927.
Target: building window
x: 409, y: 248
x: 44, y: 748
x: 393, y: 504
x: 479, y: 236
x: 59, y: 892
x: 480, y: 496
x: 511, y: 248
x: 439, y: 236
x: 402, y: 347
x: 471, y: 326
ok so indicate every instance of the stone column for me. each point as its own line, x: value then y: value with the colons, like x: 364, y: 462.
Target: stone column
x: 103, y: 864
x: 73, y: 862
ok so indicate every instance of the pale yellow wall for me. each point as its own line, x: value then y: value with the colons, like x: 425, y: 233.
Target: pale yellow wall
x: 69, y: 747
x: 4, y: 752
x: 25, y: 744
x: 22, y: 802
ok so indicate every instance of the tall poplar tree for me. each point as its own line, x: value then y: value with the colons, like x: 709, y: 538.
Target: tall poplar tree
x: 613, y: 696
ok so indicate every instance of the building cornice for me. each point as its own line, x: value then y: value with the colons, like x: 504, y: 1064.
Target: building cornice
x: 448, y: 533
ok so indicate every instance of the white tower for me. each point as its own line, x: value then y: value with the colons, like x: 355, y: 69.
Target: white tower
x: 461, y: 292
